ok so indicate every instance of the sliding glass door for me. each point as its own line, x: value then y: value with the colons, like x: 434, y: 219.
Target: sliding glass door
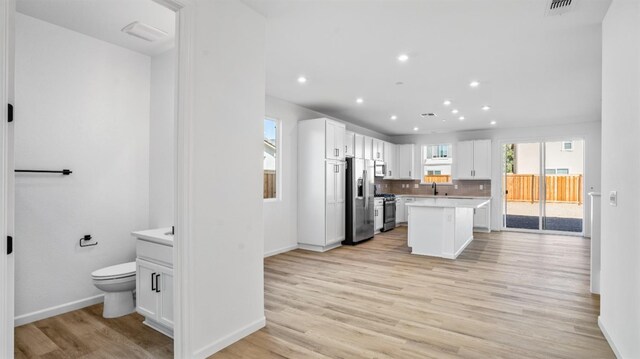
x: 543, y: 186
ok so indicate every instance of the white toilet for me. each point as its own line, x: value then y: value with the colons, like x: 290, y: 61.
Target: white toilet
x: 118, y: 283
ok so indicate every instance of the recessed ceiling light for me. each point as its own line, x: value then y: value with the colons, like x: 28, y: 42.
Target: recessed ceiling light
x: 493, y: 122
x: 486, y: 108
x: 394, y: 117
x: 403, y: 57
x: 461, y: 118
x: 415, y: 129
x: 454, y: 111
x: 474, y: 84
x: 443, y: 120
x: 446, y: 102
x: 359, y: 100
x: 302, y: 79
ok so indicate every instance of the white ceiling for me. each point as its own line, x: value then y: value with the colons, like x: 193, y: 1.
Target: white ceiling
x: 104, y: 19
x: 533, y: 69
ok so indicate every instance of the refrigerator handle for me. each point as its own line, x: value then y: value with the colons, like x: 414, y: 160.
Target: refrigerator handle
x: 364, y: 187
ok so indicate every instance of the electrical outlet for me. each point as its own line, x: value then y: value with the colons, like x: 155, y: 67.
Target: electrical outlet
x: 416, y: 186
x: 455, y: 186
x: 481, y: 186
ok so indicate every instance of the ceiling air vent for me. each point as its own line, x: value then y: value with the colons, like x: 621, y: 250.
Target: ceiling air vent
x: 144, y: 31
x: 559, y: 7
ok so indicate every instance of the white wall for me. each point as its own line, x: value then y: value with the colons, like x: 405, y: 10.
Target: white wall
x: 620, y: 233
x: 81, y: 104
x: 281, y: 215
x: 223, y: 291
x: 589, y: 131
x: 162, y: 141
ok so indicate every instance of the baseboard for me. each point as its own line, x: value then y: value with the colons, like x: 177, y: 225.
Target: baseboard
x: 224, y: 342
x: 57, y: 310
x: 603, y: 329
x: 314, y: 248
x: 281, y: 250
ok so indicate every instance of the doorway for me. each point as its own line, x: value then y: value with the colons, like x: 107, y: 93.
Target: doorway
x: 543, y: 186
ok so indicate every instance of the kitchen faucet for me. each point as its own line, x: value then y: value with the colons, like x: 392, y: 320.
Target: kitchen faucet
x: 435, y: 188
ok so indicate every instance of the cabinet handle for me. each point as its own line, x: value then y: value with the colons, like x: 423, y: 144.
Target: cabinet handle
x: 153, y: 281
x: 345, y: 149
x: 409, y: 173
x: 157, y: 286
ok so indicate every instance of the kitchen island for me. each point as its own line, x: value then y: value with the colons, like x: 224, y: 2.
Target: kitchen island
x: 441, y: 227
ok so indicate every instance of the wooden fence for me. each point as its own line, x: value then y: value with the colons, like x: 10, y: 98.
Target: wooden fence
x: 437, y: 178
x: 559, y: 188
x: 269, y: 188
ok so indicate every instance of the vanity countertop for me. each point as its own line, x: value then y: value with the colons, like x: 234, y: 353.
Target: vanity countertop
x: 161, y: 236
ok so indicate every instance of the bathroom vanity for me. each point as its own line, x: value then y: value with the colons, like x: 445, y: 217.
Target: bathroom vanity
x: 154, y: 279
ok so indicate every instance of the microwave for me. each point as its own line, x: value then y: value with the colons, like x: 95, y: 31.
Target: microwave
x: 381, y: 168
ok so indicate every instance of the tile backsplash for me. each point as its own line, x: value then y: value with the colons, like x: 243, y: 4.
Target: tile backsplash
x: 465, y: 187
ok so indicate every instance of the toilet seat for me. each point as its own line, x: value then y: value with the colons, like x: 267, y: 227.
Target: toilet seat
x: 118, y: 271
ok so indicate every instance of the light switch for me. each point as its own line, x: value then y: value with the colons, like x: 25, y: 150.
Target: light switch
x: 613, y: 198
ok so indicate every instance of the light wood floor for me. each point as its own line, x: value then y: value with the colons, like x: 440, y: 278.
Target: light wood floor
x: 85, y: 334
x: 509, y: 295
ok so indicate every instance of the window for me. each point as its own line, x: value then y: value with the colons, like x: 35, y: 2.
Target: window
x: 567, y: 146
x: 271, y: 161
x: 557, y: 171
x: 437, y: 163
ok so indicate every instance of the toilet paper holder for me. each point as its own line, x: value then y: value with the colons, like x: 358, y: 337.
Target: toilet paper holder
x: 87, y: 238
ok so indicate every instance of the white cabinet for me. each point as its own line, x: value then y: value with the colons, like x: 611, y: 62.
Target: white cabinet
x: 349, y: 144
x: 378, y: 212
x: 482, y: 218
x: 390, y: 160
x: 473, y: 160
x: 406, y: 163
x: 368, y: 148
x: 321, y: 186
x: 377, y: 149
x: 154, y: 295
x: 401, y: 214
x: 359, y: 146
x: 335, y: 202
x: 405, y: 214
x: 334, y: 140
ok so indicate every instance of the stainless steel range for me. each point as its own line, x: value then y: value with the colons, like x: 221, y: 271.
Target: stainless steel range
x: 389, y: 213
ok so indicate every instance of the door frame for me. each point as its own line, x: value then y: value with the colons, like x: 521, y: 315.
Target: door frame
x: 182, y: 246
x: 542, y: 141
x: 7, y: 10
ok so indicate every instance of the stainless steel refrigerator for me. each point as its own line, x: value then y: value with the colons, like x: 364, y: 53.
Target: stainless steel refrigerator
x: 359, y: 193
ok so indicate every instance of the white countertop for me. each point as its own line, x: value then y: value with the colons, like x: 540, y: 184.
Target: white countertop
x: 158, y: 235
x: 441, y: 196
x: 450, y: 202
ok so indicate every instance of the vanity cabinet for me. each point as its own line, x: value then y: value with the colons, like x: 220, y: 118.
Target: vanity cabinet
x: 473, y: 160
x: 154, y: 278
x: 154, y: 295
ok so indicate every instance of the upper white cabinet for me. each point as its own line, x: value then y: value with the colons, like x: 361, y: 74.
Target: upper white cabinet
x: 334, y: 140
x: 349, y: 144
x: 406, y: 162
x: 368, y: 148
x: 377, y: 149
x: 473, y: 160
x: 358, y: 146
x: 321, y: 184
x: 390, y: 160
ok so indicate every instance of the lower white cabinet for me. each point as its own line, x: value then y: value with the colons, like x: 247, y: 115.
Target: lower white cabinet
x: 154, y: 295
x: 401, y: 215
x: 482, y: 218
x: 378, y: 221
